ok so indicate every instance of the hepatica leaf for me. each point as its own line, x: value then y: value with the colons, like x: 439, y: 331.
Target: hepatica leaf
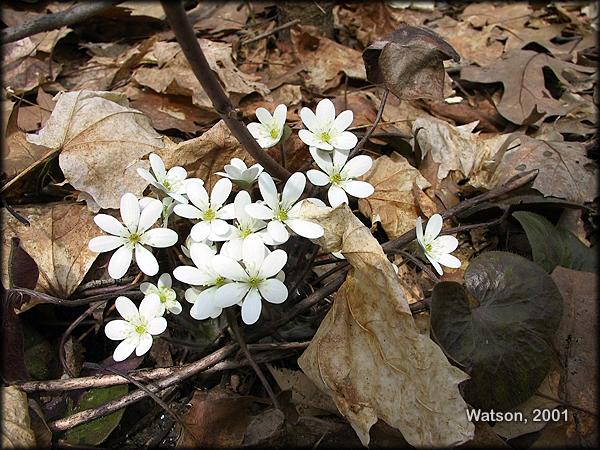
x: 554, y: 246
x: 498, y: 326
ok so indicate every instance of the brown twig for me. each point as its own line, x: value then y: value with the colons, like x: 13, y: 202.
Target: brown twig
x: 186, y: 37
x: 45, y: 298
x: 239, y: 337
x: 366, y: 136
x: 77, y: 13
x: 420, y: 264
x: 270, y: 32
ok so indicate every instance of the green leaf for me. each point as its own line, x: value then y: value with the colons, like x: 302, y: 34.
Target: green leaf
x: 96, y: 431
x: 554, y: 246
x: 498, y: 326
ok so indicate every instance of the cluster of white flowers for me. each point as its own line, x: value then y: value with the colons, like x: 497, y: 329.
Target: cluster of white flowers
x: 230, y: 246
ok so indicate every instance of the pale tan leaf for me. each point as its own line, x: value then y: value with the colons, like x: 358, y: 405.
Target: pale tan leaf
x: 101, y: 140
x: 368, y: 354
x: 393, y: 201
x: 57, y: 239
x: 16, y: 425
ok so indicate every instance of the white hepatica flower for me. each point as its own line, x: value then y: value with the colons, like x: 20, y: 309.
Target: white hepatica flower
x: 172, y: 183
x: 270, y: 129
x: 437, y: 248
x: 246, y: 226
x: 203, y: 274
x: 241, y: 175
x: 211, y: 212
x: 133, y: 236
x: 340, y: 173
x: 325, y: 131
x: 283, y: 211
x: 185, y: 248
x: 137, y: 328
x: 253, y: 281
x: 166, y: 295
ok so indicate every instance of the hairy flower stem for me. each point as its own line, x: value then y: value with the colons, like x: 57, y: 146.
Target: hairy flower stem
x: 186, y: 37
x: 239, y: 337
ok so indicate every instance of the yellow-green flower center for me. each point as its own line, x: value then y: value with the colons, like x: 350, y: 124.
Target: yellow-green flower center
x: 166, y: 184
x: 134, y: 238
x: 254, y: 282
x: 220, y: 281
x: 139, y: 329
x: 273, y: 133
x: 281, y: 215
x: 325, y: 136
x: 245, y: 232
x: 428, y: 248
x: 336, y: 178
x: 209, y: 215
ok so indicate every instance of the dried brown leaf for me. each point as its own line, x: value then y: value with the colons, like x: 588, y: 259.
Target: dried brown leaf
x: 16, y: 426
x: 101, y: 140
x: 57, y: 240
x: 368, y: 354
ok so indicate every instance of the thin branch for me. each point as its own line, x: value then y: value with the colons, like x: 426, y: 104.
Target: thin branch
x: 270, y: 32
x: 239, y: 336
x: 420, y: 264
x: 367, y: 135
x: 45, y: 298
x: 186, y: 37
x: 77, y: 13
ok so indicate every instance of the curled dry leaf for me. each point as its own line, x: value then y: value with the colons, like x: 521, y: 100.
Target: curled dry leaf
x: 205, y: 155
x: 393, y: 201
x: 101, y: 140
x: 368, y: 354
x: 525, y: 99
x: 16, y: 425
x: 57, y: 240
x: 409, y: 62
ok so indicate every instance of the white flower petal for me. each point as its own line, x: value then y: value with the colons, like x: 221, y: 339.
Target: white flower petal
x: 150, y: 307
x: 445, y: 244
x: 305, y: 228
x: 149, y: 215
x: 197, y: 194
x: 273, y: 263
x: 158, y: 167
x: 242, y: 199
x: 125, y: 348
x: 293, y: 189
x: 157, y: 325
x: 259, y: 211
x: 357, y: 166
x: 253, y: 253
x: 309, y: 120
x: 340, y: 157
x: 146, y: 175
x: 102, y: 244
x: 147, y: 288
x: 343, y: 121
x: 126, y: 308
x: 117, y: 330
x: 160, y: 237
x: 201, y: 254
x: 120, y: 262
x: 187, y: 211
x: 344, y: 141
x: 449, y: 261
x: 317, y: 177
x: 130, y: 211
x: 177, y: 173
x: 231, y: 294
x: 278, y: 231
x: 273, y: 291
x: 192, y: 275
x: 360, y: 189
x: 322, y: 158
x: 251, y: 307
x: 268, y: 190
x: 220, y: 192
x: 419, y: 229
x: 264, y: 116
x: 435, y: 264
x: 110, y: 224
x: 205, y: 305
x: 233, y: 248
x: 146, y: 260
x: 229, y: 268
x: 144, y: 344
x: 325, y: 113
x: 280, y: 114
x: 310, y: 139
x: 336, y: 196
x: 165, y: 280
x: 433, y: 228
x: 200, y: 231
x: 257, y: 131
x: 227, y: 212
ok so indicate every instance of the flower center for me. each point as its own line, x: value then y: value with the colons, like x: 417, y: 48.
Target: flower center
x: 140, y: 329
x: 245, y: 232
x: 273, y: 133
x: 428, y: 248
x: 325, y: 136
x: 166, y: 184
x: 336, y: 178
x: 134, y: 238
x: 281, y: 215
x: 254, y: 282
x: 209, y: 215
x: 220, y: 281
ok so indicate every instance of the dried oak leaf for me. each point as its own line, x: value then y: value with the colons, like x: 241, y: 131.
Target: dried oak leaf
x: 101, y: 140
x: 57, y: 240
x: 205, y: 155
x: 525, y: 99
x: 393, y: 203
x: 172, y: 73
x: 487, y: 13
x: 409, y: 62
x: 16, y: 425
x: 368, y: 354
